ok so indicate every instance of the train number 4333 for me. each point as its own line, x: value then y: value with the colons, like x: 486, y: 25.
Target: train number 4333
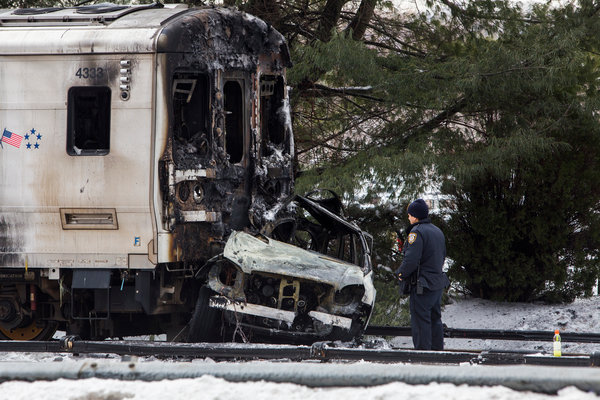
x: 90, y: 73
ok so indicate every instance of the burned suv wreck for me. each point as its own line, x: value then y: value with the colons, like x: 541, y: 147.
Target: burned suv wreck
x: 307, y: 277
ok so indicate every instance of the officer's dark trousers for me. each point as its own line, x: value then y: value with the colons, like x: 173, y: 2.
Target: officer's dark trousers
x: 426, y: 319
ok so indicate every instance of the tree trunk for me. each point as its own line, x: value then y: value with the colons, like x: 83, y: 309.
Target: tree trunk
x: 362, y: 18
x: 329, y: 18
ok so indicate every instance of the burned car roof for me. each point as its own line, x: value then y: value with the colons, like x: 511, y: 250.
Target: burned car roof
x: 325, y: 216
x: 327, y: 213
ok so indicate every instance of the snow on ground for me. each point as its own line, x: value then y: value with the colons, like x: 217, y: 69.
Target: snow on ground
x: 209, y: 388
x: 580, y: 316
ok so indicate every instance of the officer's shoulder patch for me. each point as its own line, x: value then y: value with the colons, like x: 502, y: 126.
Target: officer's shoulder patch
x: 412, y: 237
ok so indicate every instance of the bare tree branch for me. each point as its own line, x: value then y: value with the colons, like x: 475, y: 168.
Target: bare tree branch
x: 319, y: 90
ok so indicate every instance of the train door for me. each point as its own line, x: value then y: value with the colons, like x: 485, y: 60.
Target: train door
x: 235, y: 135
x: 236, y: 106
x: 208, y: 166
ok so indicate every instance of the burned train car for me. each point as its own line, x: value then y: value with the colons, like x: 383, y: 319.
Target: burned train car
x: 135, y: 141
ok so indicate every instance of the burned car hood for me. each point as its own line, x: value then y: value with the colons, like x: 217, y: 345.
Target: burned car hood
x: 263, y: 254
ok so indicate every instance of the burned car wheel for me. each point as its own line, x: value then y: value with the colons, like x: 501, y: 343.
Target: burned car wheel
x: 204, y: 324
x: 345, y: 335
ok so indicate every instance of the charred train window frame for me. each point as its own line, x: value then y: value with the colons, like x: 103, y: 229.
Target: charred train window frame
x: 272, y: 95
x: 235, y: 119
x: 88, y: 120
x: 191, y: 111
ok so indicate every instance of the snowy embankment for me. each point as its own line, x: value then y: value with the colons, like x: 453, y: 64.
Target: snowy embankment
x: 210, y: 388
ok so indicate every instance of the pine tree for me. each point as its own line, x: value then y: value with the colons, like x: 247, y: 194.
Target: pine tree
x: 526, y: 190
x: 500, y: 110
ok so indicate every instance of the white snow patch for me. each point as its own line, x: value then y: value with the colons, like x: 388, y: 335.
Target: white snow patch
x: 209, y: 388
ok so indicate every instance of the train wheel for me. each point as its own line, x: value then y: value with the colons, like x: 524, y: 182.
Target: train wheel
x: 34, y: 331
x: 203, y: 325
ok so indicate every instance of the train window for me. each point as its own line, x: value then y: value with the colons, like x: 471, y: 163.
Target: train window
x: 191, y: 109
x: 88, y: 121
x: 234, y: 121
x: 272, y: 113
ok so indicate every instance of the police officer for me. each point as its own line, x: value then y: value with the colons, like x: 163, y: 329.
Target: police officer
x: 424, y: 254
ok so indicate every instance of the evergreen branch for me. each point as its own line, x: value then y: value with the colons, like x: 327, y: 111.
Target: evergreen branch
x: 323, y: 142
x: 510, y: 70
x: 395, y: 49
x: 594, y: 10
x: 589, y: 51
x: 339, y: 148
x: 434, y: 122
x: 462, y: 123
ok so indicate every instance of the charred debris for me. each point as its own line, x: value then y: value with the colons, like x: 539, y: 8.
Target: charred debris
x: 304, y: 277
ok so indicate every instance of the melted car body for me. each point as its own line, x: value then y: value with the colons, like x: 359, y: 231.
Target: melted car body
x: 316, y: 287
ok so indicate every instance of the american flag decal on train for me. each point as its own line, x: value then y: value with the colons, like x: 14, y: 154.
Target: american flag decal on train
x: 11, y: 138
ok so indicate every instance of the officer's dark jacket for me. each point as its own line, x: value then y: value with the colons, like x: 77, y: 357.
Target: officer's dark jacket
x: 425, y: 247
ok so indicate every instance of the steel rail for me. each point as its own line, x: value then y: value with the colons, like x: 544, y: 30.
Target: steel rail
x: 320, y: 351
x: 495, y: 334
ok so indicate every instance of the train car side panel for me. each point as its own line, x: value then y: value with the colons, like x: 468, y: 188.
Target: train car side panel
x: 61, y: 200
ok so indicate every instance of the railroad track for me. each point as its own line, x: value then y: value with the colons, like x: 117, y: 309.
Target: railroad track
x: 323, y: 351
x: 493, y: 334
x: 332, y: 363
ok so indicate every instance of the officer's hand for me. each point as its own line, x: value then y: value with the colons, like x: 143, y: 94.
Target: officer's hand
x: 400, y: 276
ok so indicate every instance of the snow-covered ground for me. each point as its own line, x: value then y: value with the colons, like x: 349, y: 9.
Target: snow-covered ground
x: 210, y: 388
x: 580, y: 316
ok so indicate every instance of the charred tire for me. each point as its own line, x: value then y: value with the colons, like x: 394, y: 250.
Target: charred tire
x: 203, y: 326
x: 345, y: 335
